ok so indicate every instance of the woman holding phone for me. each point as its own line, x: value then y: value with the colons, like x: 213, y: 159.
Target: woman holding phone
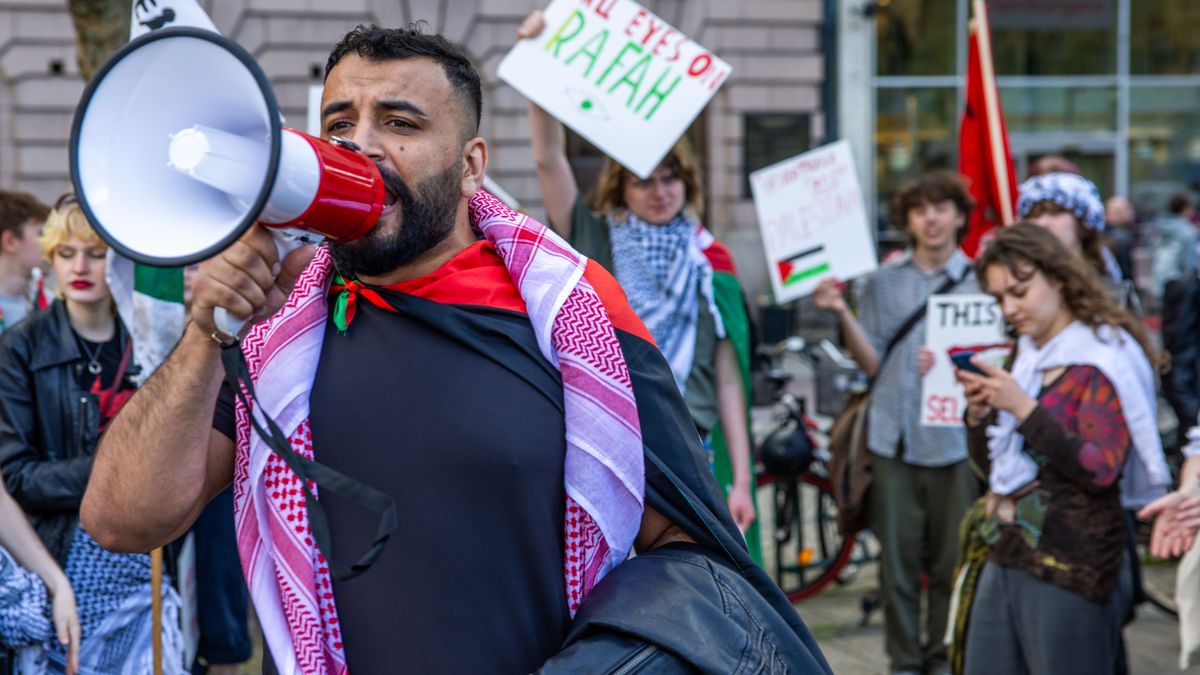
x: 1051, y: 437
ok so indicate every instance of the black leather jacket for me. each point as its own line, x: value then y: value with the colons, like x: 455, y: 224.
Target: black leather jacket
x: 48, y: 424
x: 1181, y: 339
x: 680, y: 609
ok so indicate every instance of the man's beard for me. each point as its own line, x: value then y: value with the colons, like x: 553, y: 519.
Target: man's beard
x: 427, y: 220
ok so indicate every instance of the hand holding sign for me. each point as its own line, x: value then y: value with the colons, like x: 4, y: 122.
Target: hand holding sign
x: 617, y: 74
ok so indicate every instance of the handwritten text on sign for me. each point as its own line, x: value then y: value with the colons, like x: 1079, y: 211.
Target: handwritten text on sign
x: 957, y: 324
x: 810, y: 210
x: 618, y: 75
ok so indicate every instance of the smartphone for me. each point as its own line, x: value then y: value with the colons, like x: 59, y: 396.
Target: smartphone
x: 962, y: 361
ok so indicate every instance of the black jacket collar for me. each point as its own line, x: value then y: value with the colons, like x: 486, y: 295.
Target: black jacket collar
x: 57, y: 332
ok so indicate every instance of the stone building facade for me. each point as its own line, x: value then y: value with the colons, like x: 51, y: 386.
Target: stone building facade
x: 774, y: 47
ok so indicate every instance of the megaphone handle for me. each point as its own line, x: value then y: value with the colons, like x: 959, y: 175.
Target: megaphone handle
x: 286, y: 241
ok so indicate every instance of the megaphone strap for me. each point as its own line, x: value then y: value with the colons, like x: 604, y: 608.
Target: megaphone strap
x: 312, y: 474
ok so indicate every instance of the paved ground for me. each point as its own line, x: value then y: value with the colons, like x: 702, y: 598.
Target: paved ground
x: 834, y: 616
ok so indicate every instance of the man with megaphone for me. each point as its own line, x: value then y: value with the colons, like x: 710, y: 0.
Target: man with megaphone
x: 459, y: 371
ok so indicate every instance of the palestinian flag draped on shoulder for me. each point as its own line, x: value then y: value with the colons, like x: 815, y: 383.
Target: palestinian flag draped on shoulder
x: 150, y: 299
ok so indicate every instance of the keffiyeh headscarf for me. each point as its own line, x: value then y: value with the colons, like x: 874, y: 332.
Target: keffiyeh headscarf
x: 665, y: 274
x: 604, y: 479
x: 1073, y: 192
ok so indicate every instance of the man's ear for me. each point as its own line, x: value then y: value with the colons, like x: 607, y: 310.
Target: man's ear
x: 475, y: 157
x: 8, y: 241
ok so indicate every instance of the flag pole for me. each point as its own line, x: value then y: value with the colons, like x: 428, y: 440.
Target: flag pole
x: 992, y: 104
x: 156, y: 559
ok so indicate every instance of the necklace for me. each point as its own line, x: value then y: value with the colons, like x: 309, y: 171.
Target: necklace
x: 93, y: 365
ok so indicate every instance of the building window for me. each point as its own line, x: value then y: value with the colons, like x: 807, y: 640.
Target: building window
x: 771, y: 138
x: 1162, y: 37
x: 1054, y: 38
x: 915, y: 132
x: 1164, y: 143
x: 915, y: 37
x: 1079, y: 109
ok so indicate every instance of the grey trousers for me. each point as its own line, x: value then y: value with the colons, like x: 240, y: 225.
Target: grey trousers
x: 916, y: 512
x: 1022, y: 625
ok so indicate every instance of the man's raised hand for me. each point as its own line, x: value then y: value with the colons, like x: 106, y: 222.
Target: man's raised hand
x: 246, y: 279
x: 532, y: 26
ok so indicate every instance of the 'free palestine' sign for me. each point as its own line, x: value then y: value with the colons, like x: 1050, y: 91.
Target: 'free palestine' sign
x: 618, y: 75
x: 813, y: 222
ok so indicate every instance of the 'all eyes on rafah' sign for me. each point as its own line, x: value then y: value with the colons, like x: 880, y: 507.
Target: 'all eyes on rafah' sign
x: 618, y: 75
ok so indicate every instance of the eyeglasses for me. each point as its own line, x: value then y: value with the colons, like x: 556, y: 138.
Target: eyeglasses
x: 64, y: 201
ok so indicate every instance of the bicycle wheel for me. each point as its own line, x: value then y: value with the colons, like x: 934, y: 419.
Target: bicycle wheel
x: 802, y: 547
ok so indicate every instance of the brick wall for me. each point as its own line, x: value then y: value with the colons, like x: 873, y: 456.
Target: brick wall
x: 773, y: 46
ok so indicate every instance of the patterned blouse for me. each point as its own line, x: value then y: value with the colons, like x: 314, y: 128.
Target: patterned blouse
x: 1069, y: 529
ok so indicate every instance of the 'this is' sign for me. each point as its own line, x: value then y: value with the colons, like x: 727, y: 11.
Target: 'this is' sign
x: 618, y: 75
x: 962, y: 325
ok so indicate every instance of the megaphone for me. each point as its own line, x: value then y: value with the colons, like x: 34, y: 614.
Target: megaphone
x: 177, y: 148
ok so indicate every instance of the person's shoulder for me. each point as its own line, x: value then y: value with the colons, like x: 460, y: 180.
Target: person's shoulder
x: 720, y: 258
x: 893, y: 265
x: 1087, y: 380
x: 615, y: 303
x: 887, y: 272
x: 582, y: 213
x: 33, y: 329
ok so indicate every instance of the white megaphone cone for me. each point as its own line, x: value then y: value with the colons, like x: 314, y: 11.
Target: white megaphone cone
x: 177, y: 149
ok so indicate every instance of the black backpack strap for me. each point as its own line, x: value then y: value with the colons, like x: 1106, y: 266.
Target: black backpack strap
x: 329, y: 481
x: 913, y: 318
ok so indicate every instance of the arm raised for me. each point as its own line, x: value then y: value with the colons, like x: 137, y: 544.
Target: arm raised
x: 161, y: 461
x: 549, y: 143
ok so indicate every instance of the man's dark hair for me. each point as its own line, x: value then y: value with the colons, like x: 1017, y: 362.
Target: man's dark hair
x: 18, y: 208
x: 1179, y: 202
x: 382, y: 44
x: 932, y: 188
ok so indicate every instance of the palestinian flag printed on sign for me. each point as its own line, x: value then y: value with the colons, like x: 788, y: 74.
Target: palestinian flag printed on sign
x: 805, y: 265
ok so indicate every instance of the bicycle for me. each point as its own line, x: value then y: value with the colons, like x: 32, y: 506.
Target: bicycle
x: 803, y: 550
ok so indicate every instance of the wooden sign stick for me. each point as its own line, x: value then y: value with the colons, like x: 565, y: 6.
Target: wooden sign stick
x: 156, y: 608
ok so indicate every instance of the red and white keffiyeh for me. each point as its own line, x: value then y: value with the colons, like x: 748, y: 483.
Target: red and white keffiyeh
x: 289, y: 579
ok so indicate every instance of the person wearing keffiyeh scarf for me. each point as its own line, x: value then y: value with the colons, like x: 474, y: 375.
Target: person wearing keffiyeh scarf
x: 679, y: 279
x: 461, y: 371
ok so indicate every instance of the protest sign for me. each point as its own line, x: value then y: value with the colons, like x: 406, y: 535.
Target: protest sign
x: 958, y: 324
x: 618, y: 75
x: 813, y: 223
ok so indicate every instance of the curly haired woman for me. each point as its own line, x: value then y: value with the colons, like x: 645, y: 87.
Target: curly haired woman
x: 1052, y: 437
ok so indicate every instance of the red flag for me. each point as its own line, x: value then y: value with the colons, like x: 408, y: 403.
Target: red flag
x: 984, y: 156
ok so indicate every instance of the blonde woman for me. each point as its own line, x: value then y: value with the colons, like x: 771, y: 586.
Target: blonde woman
x: 64, y: 374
